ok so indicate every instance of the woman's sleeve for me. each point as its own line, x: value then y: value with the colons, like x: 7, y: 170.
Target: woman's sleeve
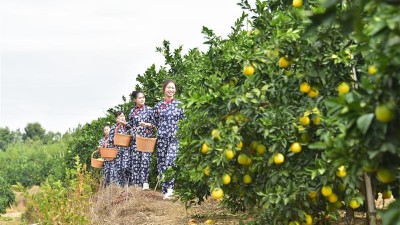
x: 131, y: 122
x: 111, y: 137
x: 156, y: 116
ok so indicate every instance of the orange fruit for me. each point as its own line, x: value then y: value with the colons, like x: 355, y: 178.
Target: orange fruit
x: 247, y: 179
x: 386, y: 194
x: 313, y: 93
x: 226, y: 179
x: 239, y: 145
x: 341, y: 171
x: 217, y: 193
x: 354, y: 204
x: 261, y: 149
x: 204, y: 148
x: 383, y: 113
x: 304, y: 120
x: 385, y: 175
x: 326, y: 190
x: 283, y: 62
x: 279, y: 158
x: 297, y: 3
x: 207, y: 170
x: 343, y: 88
x: 372, y: 70
x: 248, y: 70
x: 312, y: 194
x: 309, y: 219
x: 229, y: 154
x: 332, y: 198
x: 295, y: 147
x: 305, y: 87
x: 242, y: 159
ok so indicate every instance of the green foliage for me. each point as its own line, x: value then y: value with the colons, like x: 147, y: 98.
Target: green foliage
x: 7, y: 197
x: 31, y: 162
x: 6, y: 137
x: 322, y: 50
x: 62, y: 202
x: 34, y: 131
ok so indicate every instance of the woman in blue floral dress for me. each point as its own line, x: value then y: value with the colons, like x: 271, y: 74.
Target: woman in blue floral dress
x: 167, y: 114
x: 109, y: 175
x: 141, y: 119
x: 123, y: 159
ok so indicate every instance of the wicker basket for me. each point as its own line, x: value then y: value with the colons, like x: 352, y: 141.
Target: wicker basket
x: 144, y: 144
x: 108, y: 153
x: 123, y: 140
x: 96, y: 163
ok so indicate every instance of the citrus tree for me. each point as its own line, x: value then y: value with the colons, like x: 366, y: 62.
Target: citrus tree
x: 263, y: 128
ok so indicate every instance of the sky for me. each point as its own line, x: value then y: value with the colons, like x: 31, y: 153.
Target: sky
x: 65, y: 62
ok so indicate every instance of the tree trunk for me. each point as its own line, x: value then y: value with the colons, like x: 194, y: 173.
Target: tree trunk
x: 371, y: 211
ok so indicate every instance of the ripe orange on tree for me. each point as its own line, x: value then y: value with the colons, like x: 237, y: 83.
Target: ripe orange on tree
x: 313, y: 93
x: 247, y: 179
x: 295, y: 147
x: 297, y: 3
x: 279, y: 158
x: 354, y: 204
x: 326, y: 190
x: 341, y: 171
x: 383, y: 113
x: 261, y: 149
x: 229, y: 154
x: 283, y: 62
x: 372, y: 70
x: 304, y: 120
x: 226, y: 179
x: 217, y: 193
x: 305, y: 87
x: 332, y: 198
x: 248, y: 70
x: 204, y: 148
x: 242, y: 159
x: 343, y: 88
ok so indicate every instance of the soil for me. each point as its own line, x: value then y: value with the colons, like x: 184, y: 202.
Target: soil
x: 120, y: 206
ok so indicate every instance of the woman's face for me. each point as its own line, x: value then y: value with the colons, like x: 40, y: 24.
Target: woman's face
x: 140, y: 99
x: 121, y: 117
x: 169, y: 90
x: 106, y: 130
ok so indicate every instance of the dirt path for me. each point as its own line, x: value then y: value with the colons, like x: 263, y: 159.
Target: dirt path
x: 121, y: 206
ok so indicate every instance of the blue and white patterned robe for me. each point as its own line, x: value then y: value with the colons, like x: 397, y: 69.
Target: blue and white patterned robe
x: 124, y: 156
x: 140, y: 160
x: 166, y: 117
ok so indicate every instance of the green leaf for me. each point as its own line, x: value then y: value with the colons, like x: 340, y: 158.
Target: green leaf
x: 364, y: 121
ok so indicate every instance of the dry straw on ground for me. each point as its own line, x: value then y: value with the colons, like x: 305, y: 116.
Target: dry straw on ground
x: 120, y: 206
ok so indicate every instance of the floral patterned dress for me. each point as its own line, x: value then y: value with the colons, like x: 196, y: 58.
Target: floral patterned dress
x: 123, y: 159
x: 140, y: 160
x: 167, y: 114
x: 109, y: 167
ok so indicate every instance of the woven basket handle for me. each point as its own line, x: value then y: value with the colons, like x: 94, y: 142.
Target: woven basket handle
x: 93, y: 153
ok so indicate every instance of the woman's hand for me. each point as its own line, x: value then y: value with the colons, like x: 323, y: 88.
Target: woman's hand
x: 143, y: 124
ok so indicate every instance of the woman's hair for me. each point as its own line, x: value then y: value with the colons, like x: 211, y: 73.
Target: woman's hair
x: 136, y: 93
x: 117, y: 113
x: 106, y: 127
x: 166, y: 83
